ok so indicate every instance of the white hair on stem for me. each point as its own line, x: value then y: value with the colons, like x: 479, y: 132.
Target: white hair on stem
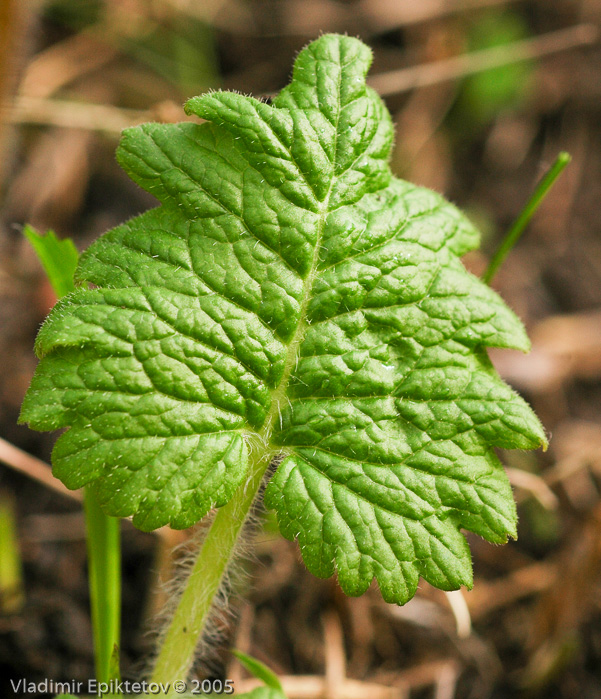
x: 218, y: 626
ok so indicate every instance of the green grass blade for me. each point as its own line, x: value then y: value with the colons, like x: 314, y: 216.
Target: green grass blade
x: 516, y: 230
x: 59, y: 259
x: 104, y: 561
x: 259, y: 670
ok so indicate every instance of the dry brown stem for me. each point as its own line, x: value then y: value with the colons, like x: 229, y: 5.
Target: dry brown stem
x: 397, y: 81
x: 36, y: 469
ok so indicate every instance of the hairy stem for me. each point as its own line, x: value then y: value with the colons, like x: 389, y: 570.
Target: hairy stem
x: 189, y: 620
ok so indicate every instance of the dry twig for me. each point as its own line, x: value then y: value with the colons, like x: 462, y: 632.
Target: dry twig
x: 535, y: 485
x: 335, y: 656
x: 308, y: 17
x: 397, y: 81
x: 461, y: 612
x: 36, y: 469
x: 314, y: 687
x: 71, y: 114
x: 487, y: 597
x: 62, y: 63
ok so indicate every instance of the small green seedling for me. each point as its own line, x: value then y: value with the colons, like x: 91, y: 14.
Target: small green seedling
x: 259, y: 670
x: 290, y: 302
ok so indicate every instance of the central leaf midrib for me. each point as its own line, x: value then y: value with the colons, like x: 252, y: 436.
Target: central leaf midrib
x: 279, y: 393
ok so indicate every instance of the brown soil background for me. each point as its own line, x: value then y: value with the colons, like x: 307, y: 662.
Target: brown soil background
x: 532, y: 624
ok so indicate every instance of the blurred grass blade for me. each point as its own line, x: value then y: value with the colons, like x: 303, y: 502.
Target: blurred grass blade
x: 515, y: 232
x: 104, y: 561
x: 181, y: 51
x: 259, y: 670
x: 487, y: 93
x: 58, y: 257
x: 12, y: 595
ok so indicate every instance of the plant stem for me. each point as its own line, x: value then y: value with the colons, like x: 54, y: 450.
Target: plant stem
x: 104, y: 565
x: 176, y: 656
x: 516, y: 230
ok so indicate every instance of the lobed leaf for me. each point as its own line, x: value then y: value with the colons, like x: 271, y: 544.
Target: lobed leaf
x: 290, y: 294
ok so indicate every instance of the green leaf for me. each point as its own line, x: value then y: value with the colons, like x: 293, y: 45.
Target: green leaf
x: 58, y: 257
x: 259, y: 670
x: 290, y: 297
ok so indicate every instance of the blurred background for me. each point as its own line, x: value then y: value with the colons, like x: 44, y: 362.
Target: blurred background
x: 484, y: 94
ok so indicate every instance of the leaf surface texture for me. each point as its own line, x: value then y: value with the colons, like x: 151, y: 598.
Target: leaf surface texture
x: 290, y: 294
